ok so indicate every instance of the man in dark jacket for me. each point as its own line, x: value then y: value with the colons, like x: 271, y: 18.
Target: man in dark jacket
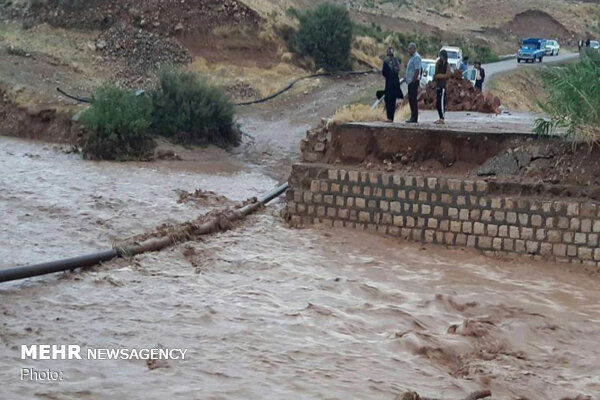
x: 479, y: 76
x: 391, y: 72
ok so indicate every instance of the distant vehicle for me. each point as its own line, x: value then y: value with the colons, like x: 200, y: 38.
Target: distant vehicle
x: 428, y: 71
x: 455, y: 56
x: 552, y: 48
x: 532, y: 49
x: 594, y: 44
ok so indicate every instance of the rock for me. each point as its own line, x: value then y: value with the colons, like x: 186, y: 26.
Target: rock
x: 101, y: 44
x: 594, y: 194
x: 135, y: 13
x: 505, y: 164
x: 541, y: 151
x: 311, y: 157
x: 320, y: 147
x: 523, y: 158
x: 167, y: 154
x: 287, y: 57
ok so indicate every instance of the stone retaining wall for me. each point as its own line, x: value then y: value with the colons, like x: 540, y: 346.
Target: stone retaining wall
x: 453, y: 212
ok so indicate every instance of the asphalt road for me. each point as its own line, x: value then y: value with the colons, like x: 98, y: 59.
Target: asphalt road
x: 509, y: 65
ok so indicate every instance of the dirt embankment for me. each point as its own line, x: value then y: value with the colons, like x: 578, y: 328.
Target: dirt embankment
x: 42, y: 124
x: 521, y: 90
x: 537, y: 23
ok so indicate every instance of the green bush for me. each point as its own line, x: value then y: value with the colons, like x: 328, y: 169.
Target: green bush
x: 574, y: 99
x: 190, y: 110
x: 117, y: 122
x: 325, y: 34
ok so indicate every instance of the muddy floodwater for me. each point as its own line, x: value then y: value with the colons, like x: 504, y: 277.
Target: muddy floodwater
x: 266, y: 311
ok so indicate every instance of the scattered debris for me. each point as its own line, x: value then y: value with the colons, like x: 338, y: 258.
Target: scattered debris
x: 243, y: 91
x: 201, y: 198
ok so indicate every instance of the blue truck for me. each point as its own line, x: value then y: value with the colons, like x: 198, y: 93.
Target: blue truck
x: 532, y: 50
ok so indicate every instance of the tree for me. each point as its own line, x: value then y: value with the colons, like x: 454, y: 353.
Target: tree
x: 325, y: 34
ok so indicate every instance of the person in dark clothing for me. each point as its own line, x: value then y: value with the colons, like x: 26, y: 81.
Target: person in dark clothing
x: 587, y: 43
x: 479, y: 76
x: 391, y: 72
x: 442, y: 74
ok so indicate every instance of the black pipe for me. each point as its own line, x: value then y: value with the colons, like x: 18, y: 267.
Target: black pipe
x: 77, y: 98
x: 13, y: 274
x: 264, y: 99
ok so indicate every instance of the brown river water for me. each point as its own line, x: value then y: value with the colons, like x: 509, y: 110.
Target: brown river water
x: 266, y: 311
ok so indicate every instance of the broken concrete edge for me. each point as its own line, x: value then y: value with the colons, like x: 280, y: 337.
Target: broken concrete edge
x: 478, y: 129
x: 355, y: 143
x: 446, y: 211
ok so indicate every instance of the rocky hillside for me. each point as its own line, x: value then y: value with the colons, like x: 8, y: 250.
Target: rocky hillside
x: 240, y: 43
x: 499, y: 22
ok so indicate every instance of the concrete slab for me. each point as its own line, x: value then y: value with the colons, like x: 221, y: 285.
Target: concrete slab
x: 508, y: 123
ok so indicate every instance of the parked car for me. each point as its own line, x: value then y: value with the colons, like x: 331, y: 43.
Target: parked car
x: 552, y: 48
x: 455, y: 56
x: 428, y: 66
x: 532, y: 49
x: 594, y: 44
x: 470, y: 75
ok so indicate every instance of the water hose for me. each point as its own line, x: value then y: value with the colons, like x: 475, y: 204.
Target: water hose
x: 214, y: 223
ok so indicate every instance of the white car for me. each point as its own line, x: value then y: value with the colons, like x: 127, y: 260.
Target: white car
x: 428, y: 66
x: 470, y: 75
x: 594, y: 44
x: 455, y: 56
x: 552, y: 48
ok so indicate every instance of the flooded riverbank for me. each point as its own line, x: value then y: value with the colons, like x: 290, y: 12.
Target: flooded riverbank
x: 264, y: 310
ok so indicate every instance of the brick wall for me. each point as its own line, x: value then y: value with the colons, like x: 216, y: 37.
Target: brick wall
x: 454, y: 212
